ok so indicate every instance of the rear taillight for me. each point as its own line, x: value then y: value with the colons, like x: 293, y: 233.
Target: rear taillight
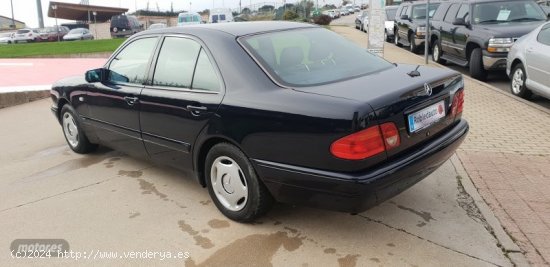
x: 458, y: 103
x: 367, y: 143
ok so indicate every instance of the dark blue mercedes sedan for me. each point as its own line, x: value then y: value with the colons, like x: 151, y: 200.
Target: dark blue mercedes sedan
x: 259, y: 112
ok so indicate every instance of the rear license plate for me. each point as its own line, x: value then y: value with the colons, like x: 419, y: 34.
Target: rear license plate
x: 426, y: 117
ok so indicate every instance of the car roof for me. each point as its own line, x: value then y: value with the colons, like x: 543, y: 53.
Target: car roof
x: 234, y: 28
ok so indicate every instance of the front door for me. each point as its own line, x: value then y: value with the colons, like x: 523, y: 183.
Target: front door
x: 114, y: 104
x: 184, y: 93
x: 537, y: 55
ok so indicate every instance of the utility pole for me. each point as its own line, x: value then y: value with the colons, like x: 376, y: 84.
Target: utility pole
x: 426, y: 41
x: 40, y: 17
x: 12, y: 17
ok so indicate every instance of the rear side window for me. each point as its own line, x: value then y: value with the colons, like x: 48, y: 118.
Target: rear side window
x: 176, y: 62
x: 205, y: 77
x: 544, y: 35
x: 22, y: 31
x: 451, y: 14
x: 440, y: 13
x: 131, y: 63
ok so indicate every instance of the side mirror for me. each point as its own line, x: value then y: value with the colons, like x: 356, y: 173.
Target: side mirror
x: 460, y: 21
x: 97, y: 75
x: 405, y: 17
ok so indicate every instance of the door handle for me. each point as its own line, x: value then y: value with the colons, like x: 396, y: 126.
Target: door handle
x: 196, y: 110
x: 131, y: 100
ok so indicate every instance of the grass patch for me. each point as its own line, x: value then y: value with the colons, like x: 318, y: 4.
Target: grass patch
x: 59, y: 48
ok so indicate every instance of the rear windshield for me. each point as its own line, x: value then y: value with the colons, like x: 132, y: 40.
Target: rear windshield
x: 306, y: 57
x: 119, y: 21
x: 507, y: 11
x: 23, y: 31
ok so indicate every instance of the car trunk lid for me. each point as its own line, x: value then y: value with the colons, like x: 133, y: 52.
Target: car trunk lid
x: 419, y: 105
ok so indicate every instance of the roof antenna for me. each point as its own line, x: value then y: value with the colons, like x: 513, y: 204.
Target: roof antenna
x: 415, y: 72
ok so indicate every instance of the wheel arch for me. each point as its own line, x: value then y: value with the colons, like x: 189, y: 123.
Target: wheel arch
x: 60, y: 104
x: 470, y: 46
x: 201, y: 151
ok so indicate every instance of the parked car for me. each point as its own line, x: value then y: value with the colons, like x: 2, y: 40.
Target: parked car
x: 157, y: 26
x: 528, y: 64
x: 410, y: 24
x: 389, y: 24
x: 26, y: 35
x: 188, y: 18
x: 220, y: 15
x: 184, y: 97
x: 479, y: 33
x: 78, y: 34
x: 545, y: 4
x: 53, y: 33
x: 344, y: 11
x: 124, y: 26
x: 360, y: 20
x: 6, y: 37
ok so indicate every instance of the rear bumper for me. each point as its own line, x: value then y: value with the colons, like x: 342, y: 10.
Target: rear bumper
x: 357, y: 192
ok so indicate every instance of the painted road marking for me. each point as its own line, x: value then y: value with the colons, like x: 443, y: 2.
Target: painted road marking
x: 16, y: 64
x: 11, y: 89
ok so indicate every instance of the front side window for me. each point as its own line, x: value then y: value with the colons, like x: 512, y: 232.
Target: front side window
x: 390, y: 13
x: 176, y: 62
x: 306, y: 57
x: 130, y: 65
x: 507, y: 11
x: 451, y: 14
x: 544, y: 35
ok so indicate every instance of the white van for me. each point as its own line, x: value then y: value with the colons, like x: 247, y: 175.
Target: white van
x: 188, y: 18
x: 218, y: 15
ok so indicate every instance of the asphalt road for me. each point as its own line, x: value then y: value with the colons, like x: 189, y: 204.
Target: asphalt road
x: 498, y: 79
x: 107, y: 202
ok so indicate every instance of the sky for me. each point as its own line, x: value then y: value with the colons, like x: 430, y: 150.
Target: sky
x: 26, y: 11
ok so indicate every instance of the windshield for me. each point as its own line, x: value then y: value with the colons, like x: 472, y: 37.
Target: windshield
x: 390, y: 13
x: 507, y: 11
x: 75, y: 31
x: 419, y: 11
x: 306, y: 57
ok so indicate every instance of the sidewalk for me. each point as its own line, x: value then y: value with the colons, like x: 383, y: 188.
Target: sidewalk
x: 506, y: 155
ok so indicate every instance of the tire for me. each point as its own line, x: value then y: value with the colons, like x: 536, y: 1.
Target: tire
x: 249, y: 202
x: 71, y: 126
x: 437, y: 52
x: 396, y: 39
x: 517, y: 82
x: 477, y: 71
x: 412, y: 44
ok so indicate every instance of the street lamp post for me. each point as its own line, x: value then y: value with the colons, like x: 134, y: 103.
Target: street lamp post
x: 426, y: 38
x: 54, y: 7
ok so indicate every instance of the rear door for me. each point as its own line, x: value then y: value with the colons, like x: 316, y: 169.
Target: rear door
x: 537, y: 54
x: 114, y: 105
x: 448, y: 44
x: 185, y: 91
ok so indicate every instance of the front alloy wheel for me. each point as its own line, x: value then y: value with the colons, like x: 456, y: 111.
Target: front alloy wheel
x: 229, y: 183
x: 518, y: 82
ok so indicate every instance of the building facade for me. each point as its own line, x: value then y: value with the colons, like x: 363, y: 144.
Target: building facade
x: 6, y: 24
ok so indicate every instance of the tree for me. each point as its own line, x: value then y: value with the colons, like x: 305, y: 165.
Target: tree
x: 328, y: 7
x: 266, y: 8
x: 290, y: 15
x: 345, y: 2
x: 246, y: 10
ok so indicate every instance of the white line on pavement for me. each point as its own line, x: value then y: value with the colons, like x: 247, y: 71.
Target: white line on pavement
x: 27, y: 88
x: 16, y: 64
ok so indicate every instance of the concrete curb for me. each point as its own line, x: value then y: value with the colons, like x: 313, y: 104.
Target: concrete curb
x: 507, y: 244
x: 16, y: 98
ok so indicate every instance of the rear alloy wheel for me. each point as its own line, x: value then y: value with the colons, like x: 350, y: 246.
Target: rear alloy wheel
x: 74, y: 135
x: 517, y: 83
x: 233, y: 184
x: 436, y: 53
x: 477, y: 71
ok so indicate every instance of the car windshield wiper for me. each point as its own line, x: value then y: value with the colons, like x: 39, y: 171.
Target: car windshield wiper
x: 526, y: 19
x: 490, y: 21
